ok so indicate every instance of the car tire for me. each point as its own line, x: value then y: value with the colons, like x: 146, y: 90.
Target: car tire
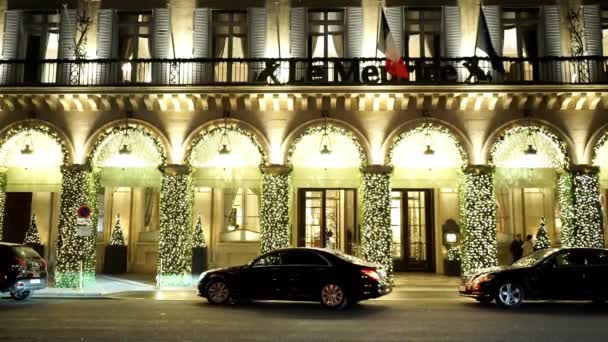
x: 217, y: 292
x: 333, y: 296
x: 21, y: 295
x: 509, y: 295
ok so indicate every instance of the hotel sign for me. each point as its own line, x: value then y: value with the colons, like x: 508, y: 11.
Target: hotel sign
x: 349, y: 71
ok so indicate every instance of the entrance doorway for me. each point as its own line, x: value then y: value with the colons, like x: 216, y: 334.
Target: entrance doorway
x: 412, y: 227
x: 17, y: 211
x: 327, y: 218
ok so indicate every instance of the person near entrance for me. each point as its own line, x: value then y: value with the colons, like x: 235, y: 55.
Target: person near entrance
x: 516, y: 248
x: 528, y: 246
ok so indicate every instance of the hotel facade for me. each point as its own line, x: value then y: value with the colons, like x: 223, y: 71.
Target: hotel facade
x: 275, y: 124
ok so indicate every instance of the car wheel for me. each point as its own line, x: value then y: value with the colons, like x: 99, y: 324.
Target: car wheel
x: 333, y: 296
x: 509, y: 295
x: 217, y: 292
x: 21, y: 295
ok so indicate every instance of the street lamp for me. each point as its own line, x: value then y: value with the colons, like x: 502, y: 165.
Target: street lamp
x: 325, y: 145
x: 28, y: 145
x: 225, y: 147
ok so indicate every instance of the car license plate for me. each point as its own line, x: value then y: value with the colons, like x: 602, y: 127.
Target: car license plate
x: 34, y: 281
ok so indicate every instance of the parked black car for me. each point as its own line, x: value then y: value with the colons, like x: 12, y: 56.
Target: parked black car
x: 552, y: 274
x: 22, y: 270
x: 303, y: 274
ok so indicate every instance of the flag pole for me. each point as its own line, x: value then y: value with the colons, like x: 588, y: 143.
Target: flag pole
x: 477, y: 31
x: 378, y: 26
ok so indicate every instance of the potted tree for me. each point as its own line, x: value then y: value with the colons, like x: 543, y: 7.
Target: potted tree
x: 199, y: 248
x: 115, y: 258
x: 32, y: 237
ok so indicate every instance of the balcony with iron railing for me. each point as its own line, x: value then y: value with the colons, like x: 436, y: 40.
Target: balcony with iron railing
x: 294, y: 71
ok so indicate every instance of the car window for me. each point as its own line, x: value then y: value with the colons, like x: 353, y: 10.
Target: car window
x: 25, y: 252
x: 302, y: 258
x: 571, y: 258
x: 272, y: 259
x: 600, y: 258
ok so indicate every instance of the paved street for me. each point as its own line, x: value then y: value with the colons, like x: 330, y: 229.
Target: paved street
x: 427, y: 314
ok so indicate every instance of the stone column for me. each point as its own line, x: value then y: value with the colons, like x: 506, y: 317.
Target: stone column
x: 580, y: 207
x: 274, y: 212
x: 76, y: 254
x: 376, y: 234
x: 478, y: 218
x: 3, y: 182
x: 174, y: 250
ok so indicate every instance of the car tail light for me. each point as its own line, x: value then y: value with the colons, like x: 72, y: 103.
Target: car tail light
x: 371, y: 273
x: 19, y: 263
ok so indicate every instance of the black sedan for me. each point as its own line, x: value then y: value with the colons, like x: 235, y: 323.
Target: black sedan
x: 22, y: 270
x: 548, y: 274
x: 303, y: 274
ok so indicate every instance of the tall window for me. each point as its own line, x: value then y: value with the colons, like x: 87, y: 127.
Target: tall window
x: 41, y: 40
x: 422, y: 32
x: 241, y: 214
x: 326, y: 33
x: 521, y: 39
x: 604, y: 23
x: 230, y: 41
x: 134, y: 43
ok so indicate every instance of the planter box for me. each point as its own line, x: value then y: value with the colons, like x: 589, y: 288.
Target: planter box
x: 199, y: 260
x: 115, y: 260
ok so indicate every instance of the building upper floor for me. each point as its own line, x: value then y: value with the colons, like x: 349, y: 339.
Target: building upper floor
x: 202, y: 42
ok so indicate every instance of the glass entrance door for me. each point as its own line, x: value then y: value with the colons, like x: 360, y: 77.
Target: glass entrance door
x: 412, y: 227
x: 327, y: 219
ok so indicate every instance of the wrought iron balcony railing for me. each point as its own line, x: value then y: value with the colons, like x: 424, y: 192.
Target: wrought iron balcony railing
x: 294, y: 71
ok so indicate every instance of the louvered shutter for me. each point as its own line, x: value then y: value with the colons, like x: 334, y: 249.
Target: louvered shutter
x: 494, y: 20
x: 106, y: 73
x: 10, y: 44
x: 256, y: 17
x: 551, y: 71
x: 202, y: 71
x: 160, y: 45
x: 298, y: 39
x: 453, y: 37
x: 394, y: 17
x: 593, y: 40
x: 67, y: 49
x: 354, y: 32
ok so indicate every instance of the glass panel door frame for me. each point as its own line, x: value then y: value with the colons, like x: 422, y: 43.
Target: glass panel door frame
x: 301, y: 219
x: 405, y: 264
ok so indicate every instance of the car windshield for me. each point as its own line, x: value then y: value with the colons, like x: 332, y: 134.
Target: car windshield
x: 533, y: 258
x: 25, y: 252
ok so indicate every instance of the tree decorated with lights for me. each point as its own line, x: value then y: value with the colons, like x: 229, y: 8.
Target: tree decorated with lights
x: 542, y: 237
x: 117, y: 238
x: 32, y: 236
x: 198, y: 239
x: 275, y: 230
x: 478, y: 219
x: 587, y: 213
x: 3, y: 182
x: 376, y: 231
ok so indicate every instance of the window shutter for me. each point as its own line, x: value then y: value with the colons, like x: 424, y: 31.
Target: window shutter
x: 200, y: 48
x: 66, y: 49
x: 551, y: 71
x: 12, y: 25
x: 257, y: 32
x: 593, y: 40
x: 105, y: 35
x: 451, y: 34
x: 354, y: 32
x: 160, y: 45
x: 394, y: 17
x: 297, y: 32
x: 493, y: 18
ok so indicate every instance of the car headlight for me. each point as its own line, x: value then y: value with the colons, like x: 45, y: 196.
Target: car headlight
x: 482, y: 278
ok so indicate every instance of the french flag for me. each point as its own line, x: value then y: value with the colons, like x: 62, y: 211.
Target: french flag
x: 394, y: 65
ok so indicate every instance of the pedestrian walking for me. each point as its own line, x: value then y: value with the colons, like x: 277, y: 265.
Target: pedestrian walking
x: 516, y: 249
x: 528, y: 246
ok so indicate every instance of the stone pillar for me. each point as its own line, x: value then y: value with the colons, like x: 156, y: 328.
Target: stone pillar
x: 174, y: 250
x: 76, y: 254
x: 376, y: 234
x: 478, y: 218
x: 580, y: 207
x: 274, y: 212
x: 3, y: 182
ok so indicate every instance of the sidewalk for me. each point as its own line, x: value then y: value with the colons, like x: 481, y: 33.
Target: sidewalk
x: 407, y: 286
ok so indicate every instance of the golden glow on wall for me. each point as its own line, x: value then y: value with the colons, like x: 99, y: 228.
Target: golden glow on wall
x: 142, y: 151
x: 511, y: 152
x: 414, y: 151
x: 31, y: 149
x: 242, y: 152
x: 344, y: 153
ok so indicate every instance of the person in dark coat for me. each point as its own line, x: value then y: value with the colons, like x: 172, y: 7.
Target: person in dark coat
x: 516, y: 248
